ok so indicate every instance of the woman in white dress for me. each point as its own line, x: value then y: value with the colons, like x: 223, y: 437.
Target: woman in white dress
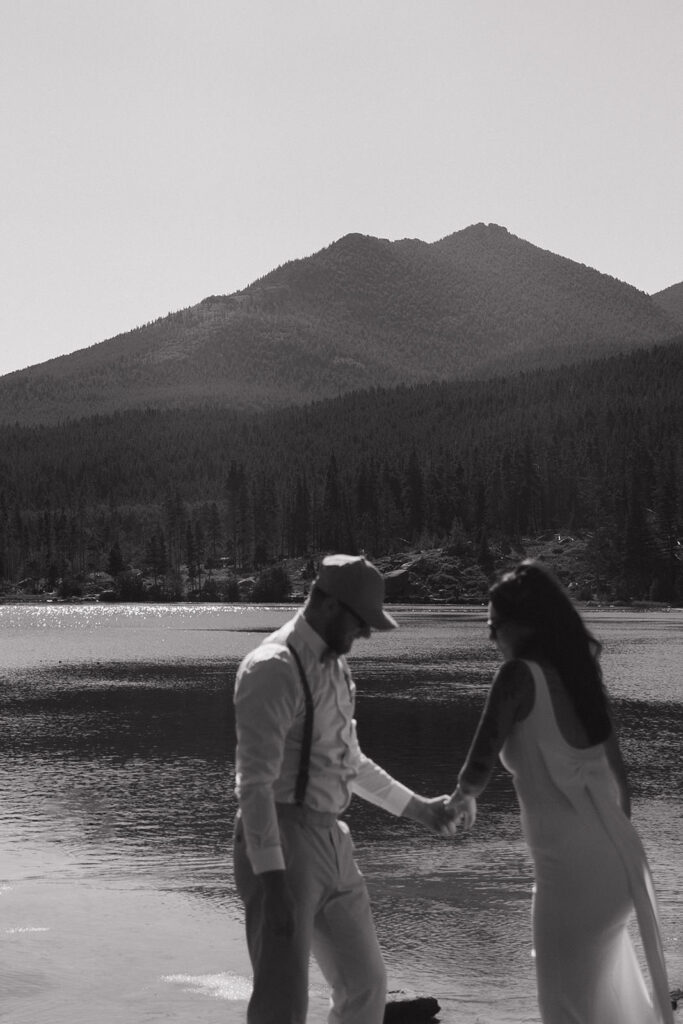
x: 547, y: 716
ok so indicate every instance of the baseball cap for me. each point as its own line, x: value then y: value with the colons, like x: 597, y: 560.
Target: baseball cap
x: 358, y: 584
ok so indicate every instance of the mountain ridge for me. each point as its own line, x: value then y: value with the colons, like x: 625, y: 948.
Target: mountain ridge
x: 671, y: 300
x: 360, y: 312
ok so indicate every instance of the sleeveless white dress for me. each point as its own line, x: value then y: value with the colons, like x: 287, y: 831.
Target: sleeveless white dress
x: 591, y: 874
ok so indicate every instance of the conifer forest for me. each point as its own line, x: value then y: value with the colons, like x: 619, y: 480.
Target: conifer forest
x: 474, y: 468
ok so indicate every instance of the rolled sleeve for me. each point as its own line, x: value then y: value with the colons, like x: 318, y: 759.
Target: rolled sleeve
x: 376, y: 786
x: 265, y: 707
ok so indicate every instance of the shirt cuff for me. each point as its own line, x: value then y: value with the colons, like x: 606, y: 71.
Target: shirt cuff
x: 393, y: 798
x: 269, y: 858
x: 398, y: 799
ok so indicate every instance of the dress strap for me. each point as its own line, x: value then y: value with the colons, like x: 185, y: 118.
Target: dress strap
x: 305, y: 760
x: 543, y: 702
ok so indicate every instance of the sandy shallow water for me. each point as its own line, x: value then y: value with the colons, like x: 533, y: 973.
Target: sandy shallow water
x: 84, y: 951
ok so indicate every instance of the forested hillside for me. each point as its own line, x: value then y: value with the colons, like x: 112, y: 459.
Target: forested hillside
x: 595, y: 449
x: 363, y: 312
x: 671, y: 301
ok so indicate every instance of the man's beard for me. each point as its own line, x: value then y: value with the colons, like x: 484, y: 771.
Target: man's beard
x: 337, y: 634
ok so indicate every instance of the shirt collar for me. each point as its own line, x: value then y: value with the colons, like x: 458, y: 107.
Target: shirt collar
x: 312, y: 639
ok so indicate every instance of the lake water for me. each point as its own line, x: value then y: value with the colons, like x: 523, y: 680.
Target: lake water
x: 117, y: 774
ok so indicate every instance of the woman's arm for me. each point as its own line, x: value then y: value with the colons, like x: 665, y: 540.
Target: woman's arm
x: 616, y: 763
x: 510, y: 700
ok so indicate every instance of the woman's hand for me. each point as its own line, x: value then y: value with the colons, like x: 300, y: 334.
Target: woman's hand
x: 464, y: 809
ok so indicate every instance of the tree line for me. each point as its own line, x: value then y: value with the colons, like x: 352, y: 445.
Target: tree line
x: 594, y: 448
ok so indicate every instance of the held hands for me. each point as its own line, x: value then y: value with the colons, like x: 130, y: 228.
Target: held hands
x: 436, y: 813
x: 463, y: 809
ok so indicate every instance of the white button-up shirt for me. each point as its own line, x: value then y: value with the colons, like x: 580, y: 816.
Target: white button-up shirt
x: 270, y: 711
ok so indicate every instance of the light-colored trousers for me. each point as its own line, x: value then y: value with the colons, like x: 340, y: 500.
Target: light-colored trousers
x: 333, y: 921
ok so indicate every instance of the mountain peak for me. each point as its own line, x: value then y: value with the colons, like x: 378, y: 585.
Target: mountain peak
x: 362, y: 312
x: 493, y: 233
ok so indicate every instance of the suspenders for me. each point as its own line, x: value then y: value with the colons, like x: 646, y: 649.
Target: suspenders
x: 302, y: 777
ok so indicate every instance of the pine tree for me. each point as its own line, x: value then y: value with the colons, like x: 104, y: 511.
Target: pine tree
x: 214, y: 531
x: 414, y: 498
x: 331, y: 531
x: 176, y: 520
x: 665, y: 587
x: 115, y: 562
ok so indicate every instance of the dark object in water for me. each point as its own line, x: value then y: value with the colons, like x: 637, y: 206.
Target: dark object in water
x: 411, y: 1011
x: 676, y: 995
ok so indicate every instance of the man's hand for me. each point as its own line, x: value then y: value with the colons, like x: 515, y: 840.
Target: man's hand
x: 434, y: 813
x: 278, y: 903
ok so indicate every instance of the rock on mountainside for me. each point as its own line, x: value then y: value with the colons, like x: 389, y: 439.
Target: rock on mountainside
x: 362, y: 312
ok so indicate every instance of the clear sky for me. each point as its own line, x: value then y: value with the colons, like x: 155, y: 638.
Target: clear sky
x: 159, y: 151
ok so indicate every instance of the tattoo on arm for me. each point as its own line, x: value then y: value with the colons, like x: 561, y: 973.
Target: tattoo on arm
x: 509, y: 701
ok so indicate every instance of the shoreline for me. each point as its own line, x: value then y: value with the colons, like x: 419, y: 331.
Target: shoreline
x: 38, y: 600
x: 79, y: 946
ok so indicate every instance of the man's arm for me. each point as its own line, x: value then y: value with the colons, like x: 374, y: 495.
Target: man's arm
x: 376, y: 786
x: 265, y: 707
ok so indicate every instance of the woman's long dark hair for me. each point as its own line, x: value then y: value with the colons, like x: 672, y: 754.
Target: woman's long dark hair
x: 533, y: 596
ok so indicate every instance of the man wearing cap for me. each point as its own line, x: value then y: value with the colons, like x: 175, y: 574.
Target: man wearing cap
x: 298, y: 763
